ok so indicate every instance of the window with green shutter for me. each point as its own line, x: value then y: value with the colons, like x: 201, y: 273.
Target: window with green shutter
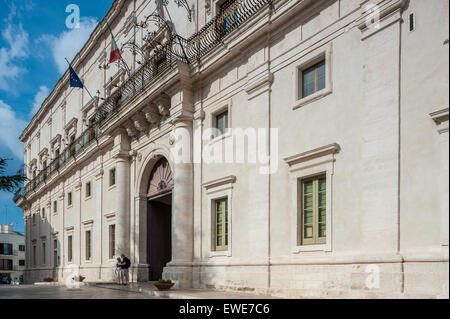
x: 314, y: 211
x: 221, y: 224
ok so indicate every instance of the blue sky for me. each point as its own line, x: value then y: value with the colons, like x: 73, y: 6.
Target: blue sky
x: 34, y: 40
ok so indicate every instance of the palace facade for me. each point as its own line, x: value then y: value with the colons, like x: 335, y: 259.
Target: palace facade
x: 346, y: 102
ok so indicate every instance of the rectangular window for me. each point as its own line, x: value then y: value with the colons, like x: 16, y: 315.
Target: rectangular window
x: 34, y: 255
x: 6, y: 249
x: 6, y: 264
x: 69, y: 199
x: 55, y: 207
x: 314, y: 79
x: 22, y: 263
x: 69, y: 249
x: 55, y: 253
x: 34, y: 219
x: 222, y: 123
x: 43, y: 213
x: 112, y: 177
x: 21, y: 247
x: 44, y: 253
x: 88, y: 245
x: 55, y: 258
x: 112, y: 241
x: 412, y: 22
x: 314, y: 211
x: 88, y: 190
x: 221, y: 222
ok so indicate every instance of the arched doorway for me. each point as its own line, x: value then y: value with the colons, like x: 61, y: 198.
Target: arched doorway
x: 159, y: 219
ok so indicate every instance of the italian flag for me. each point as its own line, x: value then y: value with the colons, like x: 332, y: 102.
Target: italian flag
x: 115, y: 52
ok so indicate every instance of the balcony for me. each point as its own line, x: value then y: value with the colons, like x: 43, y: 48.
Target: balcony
x: 232, y: 15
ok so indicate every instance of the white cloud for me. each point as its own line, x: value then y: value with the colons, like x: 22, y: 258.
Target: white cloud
x: 17, y: 47
x: 68, y: 43
x: 11, y: 127
x: 39, y: 98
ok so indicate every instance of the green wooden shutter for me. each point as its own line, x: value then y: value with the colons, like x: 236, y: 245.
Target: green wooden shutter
x: 221, y: 224
x: 314, y: 211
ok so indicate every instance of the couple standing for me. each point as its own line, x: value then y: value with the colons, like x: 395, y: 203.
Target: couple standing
x: 122, y: 266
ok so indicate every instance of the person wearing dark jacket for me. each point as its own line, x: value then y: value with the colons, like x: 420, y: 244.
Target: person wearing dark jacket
x: 126, y: 263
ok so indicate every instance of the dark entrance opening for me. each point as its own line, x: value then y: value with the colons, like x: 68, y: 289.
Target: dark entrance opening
x: 159, y: 219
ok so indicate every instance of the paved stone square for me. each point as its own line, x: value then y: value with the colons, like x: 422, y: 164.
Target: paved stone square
x: 85, y: 292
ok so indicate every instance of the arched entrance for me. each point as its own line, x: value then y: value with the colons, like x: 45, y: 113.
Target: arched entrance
x: 159, y: 219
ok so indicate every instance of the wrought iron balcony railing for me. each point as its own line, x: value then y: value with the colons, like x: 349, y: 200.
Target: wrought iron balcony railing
x: 232, y: 14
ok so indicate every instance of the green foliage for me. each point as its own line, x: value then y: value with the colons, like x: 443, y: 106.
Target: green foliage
x: 167, y: 282
x: 10, y: 183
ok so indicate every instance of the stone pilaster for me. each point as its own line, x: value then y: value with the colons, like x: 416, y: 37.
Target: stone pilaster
x: 98, y: 221
x: 121, y: 157
x: 180, y: 269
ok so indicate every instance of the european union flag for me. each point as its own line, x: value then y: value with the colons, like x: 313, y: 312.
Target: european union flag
x: 75, y: 81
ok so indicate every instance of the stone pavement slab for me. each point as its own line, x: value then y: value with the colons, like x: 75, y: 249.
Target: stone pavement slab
x: 150, y: 290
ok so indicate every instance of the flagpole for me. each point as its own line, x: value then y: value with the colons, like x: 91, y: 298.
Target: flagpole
x: 84, y: 86
x: 127, y: 68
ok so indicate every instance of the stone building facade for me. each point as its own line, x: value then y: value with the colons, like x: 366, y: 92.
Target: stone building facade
x: 12, y: 255
x: 344, y: 194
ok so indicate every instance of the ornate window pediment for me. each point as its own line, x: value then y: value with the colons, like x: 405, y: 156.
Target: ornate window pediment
x: 115, y: 81
x: 43, y: 155
x: 441, y: 119
x: 70, y: 129
x: 55, y: 143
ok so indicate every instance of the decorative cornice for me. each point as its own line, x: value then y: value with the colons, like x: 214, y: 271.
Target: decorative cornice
x: 259, y: 85
x: 441, y: 118
x: 385, y: 10
x: 316, y: 153
x: 88, y: 222
x: 110, y: 216
x: 72, y: 123
x: 219, y: 182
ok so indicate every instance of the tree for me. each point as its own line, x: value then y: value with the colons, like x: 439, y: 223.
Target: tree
x: 10, y: 183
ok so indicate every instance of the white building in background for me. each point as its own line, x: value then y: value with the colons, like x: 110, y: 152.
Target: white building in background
x: 12, y: 254
x: 354, y: 95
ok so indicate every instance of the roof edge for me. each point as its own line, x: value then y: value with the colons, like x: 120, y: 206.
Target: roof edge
x: 99, y: 30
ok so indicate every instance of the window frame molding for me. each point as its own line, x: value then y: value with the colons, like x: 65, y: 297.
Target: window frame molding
x: 110, y: 220
x: 70, y: 232
x: 70, y: 199
x: 219, y: 189
x: 86, y: 197
x: 110, y: 171
x: 317, y: 162
x: 323, y: 53
x: 88, y: 225
x: 214, y: 112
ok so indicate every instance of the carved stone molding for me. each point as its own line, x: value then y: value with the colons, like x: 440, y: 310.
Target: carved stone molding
x: 71, y: 128
x: 55, y: 143
x: 140, y: 122
x: 163, y: 103
x: 130, y: 129
x: 208, y: 7
x: 152, y: 115
x: 441, y: 118
x: 115, y: 81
